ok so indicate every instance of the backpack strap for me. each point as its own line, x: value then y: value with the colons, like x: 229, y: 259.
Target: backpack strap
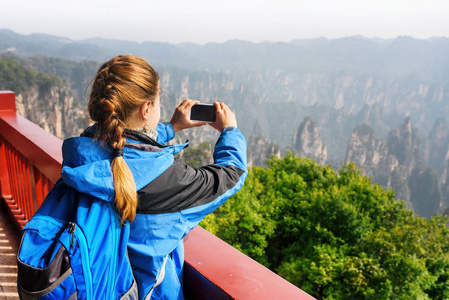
x: 65, y: 188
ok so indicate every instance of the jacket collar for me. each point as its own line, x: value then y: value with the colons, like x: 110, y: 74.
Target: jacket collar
x: 144, y: 142
x: 130, y: 134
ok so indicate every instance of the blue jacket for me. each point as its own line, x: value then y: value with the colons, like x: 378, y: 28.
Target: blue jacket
x: 173, y: 199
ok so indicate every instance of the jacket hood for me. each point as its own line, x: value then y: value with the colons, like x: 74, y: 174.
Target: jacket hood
x: 87, y: 164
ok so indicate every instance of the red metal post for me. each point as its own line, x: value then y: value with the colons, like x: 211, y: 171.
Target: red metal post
x: 39, y: 187
x: 5, y: 188
x: 7, y: 101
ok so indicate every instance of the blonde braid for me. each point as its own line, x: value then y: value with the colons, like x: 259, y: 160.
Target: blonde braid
x: 121, y: 86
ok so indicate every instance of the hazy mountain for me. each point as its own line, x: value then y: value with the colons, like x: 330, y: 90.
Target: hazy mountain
x: 340, y: 84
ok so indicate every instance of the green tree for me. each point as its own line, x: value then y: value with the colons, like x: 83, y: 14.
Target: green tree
x: 335, y: 235
x: 14, y: 76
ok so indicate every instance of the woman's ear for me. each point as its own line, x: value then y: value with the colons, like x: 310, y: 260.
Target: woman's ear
x: 145, y: 110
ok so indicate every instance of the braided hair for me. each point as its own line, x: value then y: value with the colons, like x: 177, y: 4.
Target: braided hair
x: 121, y: 86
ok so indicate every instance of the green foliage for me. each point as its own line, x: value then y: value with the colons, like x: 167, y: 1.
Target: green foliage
x: 76, y: 74
x: 198, y: 156
x: 14, y: 76
x: 248, y: 220
x: 335, y: 235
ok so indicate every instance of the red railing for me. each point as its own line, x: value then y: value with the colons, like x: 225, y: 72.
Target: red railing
x: 30, y: 163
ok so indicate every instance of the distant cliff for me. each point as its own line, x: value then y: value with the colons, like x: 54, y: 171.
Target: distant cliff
x: 307, y: 142
x: 398, y: 163
x: 260, y: 150
x: 371, y: 154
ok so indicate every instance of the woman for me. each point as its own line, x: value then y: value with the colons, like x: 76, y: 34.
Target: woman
x: 158, y: 198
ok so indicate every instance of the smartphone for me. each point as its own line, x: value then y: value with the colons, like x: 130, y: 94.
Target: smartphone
x: 203, y: 112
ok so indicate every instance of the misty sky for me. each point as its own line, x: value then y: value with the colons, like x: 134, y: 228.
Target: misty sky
x: 202, y: 21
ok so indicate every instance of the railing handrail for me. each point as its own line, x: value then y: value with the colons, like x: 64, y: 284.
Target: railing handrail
x: 41, y: 148
x: 212, y: 266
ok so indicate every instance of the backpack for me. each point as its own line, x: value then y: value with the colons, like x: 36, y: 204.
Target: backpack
x: 74, y: 248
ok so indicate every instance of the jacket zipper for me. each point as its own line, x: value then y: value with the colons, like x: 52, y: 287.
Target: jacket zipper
x: 72, y: 228
x: 84, y: 257
x: 115, y: 238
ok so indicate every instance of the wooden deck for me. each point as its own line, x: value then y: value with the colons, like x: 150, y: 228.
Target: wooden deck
x: 9, y: 242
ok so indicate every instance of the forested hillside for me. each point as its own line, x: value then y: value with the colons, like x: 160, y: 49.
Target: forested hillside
x: 335, y: 235
x: 43, y: 98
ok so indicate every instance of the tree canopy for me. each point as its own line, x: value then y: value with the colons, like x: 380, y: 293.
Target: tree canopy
x: 335, y: 234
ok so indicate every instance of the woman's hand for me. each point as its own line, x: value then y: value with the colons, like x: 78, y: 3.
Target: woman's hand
x: 181, y: 117
x: 224, y: 117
